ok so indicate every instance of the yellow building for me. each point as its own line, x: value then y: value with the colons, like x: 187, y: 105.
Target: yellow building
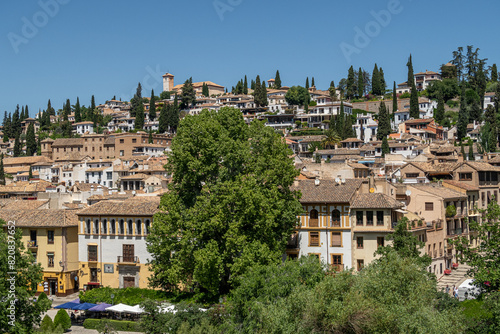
x: 112, y: 242
x: 51, y: 235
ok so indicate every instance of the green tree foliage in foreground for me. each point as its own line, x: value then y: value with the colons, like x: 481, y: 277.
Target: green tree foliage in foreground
x: 229, y: 204
x: 25, y: 277
x: 62, y: 319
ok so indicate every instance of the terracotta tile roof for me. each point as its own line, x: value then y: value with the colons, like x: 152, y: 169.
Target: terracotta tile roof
x: 352, y: 140
x: 40, y: 218
x: 328, y: 191
x: 375, y: 201
x: 135, y: 206
x: 357, y: 165
x: 67, y: 142
x: 97, y: 169
x: 72, y: 156
x: 461, y: 185
x: 75, y: 206
x: 80, y: 186
x: 25, y: 187
x: 440, y: 191
x: 480, y: 166
x: 15, y: 204
x: 24, y: 160
x: 16, y: 170
x: 138, y: 176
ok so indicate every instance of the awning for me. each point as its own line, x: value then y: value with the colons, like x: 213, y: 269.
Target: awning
x: 93, y: 283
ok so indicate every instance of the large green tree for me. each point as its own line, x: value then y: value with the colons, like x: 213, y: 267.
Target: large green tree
x: 297, y: 96
x: 277, y: 80
x: 30, y: 140
x: 384, y: 122
x: 152, y: 106
x: 188, y: 94
x: 135, y: 103
x: 229, y: 205
x: 20, y: 278
x: 351, y: 88
x: 376, y: 89
x: 78, y: 111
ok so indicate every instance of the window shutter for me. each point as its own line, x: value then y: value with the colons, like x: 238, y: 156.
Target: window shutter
x: 336, y: 239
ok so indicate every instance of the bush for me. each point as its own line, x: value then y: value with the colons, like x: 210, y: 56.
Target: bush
x: 43, y: 302
x: 62, y: 319
x: 405, y: 95
x: 47, y: 324
x: 129, y: 296
x: 118, y: 325
x: 451, y: 211
x: 452, y: 103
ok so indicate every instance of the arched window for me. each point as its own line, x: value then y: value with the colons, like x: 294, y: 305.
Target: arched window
x: 96, y: 226
x: 113, y: 226
x: 104, y: 226
x: 138, y: 229
x: 147, y: 226
x: 130, y: 227
x: 313, y: 214
x: 122, y: 227
x: 87, y: 227
x: 336, y: 218
x: 313, y: 218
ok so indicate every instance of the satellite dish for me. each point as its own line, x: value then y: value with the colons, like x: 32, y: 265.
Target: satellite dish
x: 372, y: 190
x: 337, y: 180
x: 408, y: 192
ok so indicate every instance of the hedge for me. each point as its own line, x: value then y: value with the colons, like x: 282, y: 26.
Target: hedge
x: 118, y: 325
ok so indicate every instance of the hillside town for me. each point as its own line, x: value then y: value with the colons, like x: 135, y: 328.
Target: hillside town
x: 86, y: 201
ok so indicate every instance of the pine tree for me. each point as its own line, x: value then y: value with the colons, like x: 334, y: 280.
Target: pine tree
x: 2, y: 172
x: 384, y: 123
x: 463, y: 117
x: 245, y: 86
x: 277, y: 80
x: 307, y: 83
x: 494, y: 73
x: 312, y: 82
x: 257, y: 91
x: 78, y: 112
x: 471, y: 151
x: 51, y: 111
x: 375, y: 81
x: 66, y: 110
x: 383, y: 84
x: 17, y: 146
x: 16, y: 122
x: 152, y: 106
x: 30, y: 140
x: 252, y: 85
x: 163, y: 120
x: 394, y: 101
x: 340, y: 121
x: 348, y: 129
x: 361, y: 83
x: 439, y: 112
x: 351, y: 84
x: 263, y: 96
x: 385, y: 147
x: 30, y: 174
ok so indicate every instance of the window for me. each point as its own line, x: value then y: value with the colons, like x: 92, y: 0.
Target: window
x: 50, y: 237
x: 50, y: 260
x: 121, y: 227
x: 109, y: 175
x: 411, y: 175
x: 380, y: 218
x: 147, y: 225
x: 337, y: 262
x: 465, y: 176
x: 336, y: 218
x: 130, y: 223
x: 336, y: 239
x: 429, y: 206
x: 87, y: 227
x: 313, y: 239
x: 134, y: 140
x: 104, y: 226
x: 359, y: 218
x: 361, y: 264
x: 96, y: 226
x: 369, y: 218
x: 121, y: 153
x: 138, y: 229
x: 380, y: 241
x: 359, y: 242
x: 313, y: 218
x: 92, y: 253
x: 122, y: 141
x: 113, y: 226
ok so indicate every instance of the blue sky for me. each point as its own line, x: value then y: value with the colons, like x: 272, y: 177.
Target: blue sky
x: 104, y: 48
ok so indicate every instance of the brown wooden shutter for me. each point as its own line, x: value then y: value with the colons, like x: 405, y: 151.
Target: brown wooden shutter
x: 336, y: 239
x: 314, y: 239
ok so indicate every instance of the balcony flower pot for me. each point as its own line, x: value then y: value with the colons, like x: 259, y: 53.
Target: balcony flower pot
x: 454, y: 265
x: 447, y: 271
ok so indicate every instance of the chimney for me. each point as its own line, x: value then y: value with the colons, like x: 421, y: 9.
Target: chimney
x: 316, y: 181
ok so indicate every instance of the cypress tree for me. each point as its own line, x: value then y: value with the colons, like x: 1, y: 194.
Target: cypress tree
x: 30, y: 174
x: 471, y: 151
x: 351, y: 84
x: 17, y: 146
x: 30, y: 140
x: 307, y: 83
x: 414, y: 108
x: 150, y: 137
x: 375, y: 81
x: 78, y: 111
x: 92, y: 102
x: 348, y: 130
x: 50, y: 110
x: 2, y: 172
x: 385, y: 147
x: 494, y: 73
x: 21, y: 116
x: 66, y: 110
x: 16, y: 122
x: 163, y: 120
x: 361, y: 83
x: 257, y: 92
x: 139, y: 118
x: 245, y: 86
x: 340, y: 121
x: 332, y: 91
x: 383, y: 84
x: 152, y: 106
x: 188, y: 94
x: 463, y: 117
x: 312, y: 82
x: 462, y: 150
x: 394, y: 100
x: 410, y: 79
x: 26, y: 112
x: 439, y: 113
x: 277, y: 80
x: 384, y: 123
x: 38, y: 146
x: 263, y: 92
x: 135, y: 102
x: 252, y: 85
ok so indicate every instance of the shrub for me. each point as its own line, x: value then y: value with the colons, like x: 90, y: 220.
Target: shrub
x: 451, y: 211
x: 129, y: 296
x: 118, y: 325
x: 62, y: 319
x: 47, y: 324
x: 43, y: 301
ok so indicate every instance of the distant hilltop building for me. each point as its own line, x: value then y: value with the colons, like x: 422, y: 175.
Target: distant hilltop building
x: 168, y: 82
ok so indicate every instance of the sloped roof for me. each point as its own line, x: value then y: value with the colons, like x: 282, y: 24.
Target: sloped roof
x: 68, y: 142
x: 375, y: 201
x: 24, y: 160
x: 445, y: 193
x: 135, y: 206
x: 328, y: 191
x: 40, y: 218
x: 15, y: 204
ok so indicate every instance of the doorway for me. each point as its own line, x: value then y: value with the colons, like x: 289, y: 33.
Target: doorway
x: 52, y: 287
x: 129, y: 282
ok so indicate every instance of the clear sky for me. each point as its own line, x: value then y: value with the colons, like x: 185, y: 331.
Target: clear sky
x: 81, y: 48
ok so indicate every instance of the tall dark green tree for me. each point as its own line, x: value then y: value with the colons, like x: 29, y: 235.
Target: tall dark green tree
x: 348, y: 129
x: 163, y: 119
x: 312, y: 82
x: 92, y: 100
x: 307, y: 83
x: 245, y: 86
x: 263, y: 94
x: 152, y: 106
x: 494, y: 73
x: 383, y: 84
x: 463, y: 117
x: 135, y: 102
x: 78, y: 111
x: 30, y: 140
x: 332, y: 91
x: 16, y: 123
x: 414, y: 108
x: 439, y: 112
x: 50, y: 110
x: 473, y: 102
x: 394, y: 100
x: 376, y: 90
x: 66, y: 110
x: 411, y: 77
x: 2, y: 172
x: 188, y: 94
x: 139, y: 119
x: 361, y: 83
x: 385, y: 147
x: 277, y: 80
x: 18, y: 146
x: 38, y: 146
x: 340, y: 121
x: 384, y: 122
x: 351, y: 88
x: 471, y: 151
x: 257, y: 92
x: 252, y: 85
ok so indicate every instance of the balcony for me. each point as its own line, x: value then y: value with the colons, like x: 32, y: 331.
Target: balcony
x: 337, y: 267
x: 313, y: 222
x: 434, y: 253
x: 32, y: 244
x: 128, y: 260
x: 92, y: 257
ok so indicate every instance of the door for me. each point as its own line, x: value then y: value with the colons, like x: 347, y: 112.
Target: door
x: 52, y: 287
x: 129, y: 282
x: 128, y: 253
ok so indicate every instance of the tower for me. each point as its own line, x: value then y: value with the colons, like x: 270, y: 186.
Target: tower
x: 168, y: 82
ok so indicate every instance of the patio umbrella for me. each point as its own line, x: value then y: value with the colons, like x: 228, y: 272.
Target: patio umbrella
x: 77, y: 300
x: 119, y: 308
x: 100, y: 307
x: 68, y: 305
x: 136, y: 309
x: 84, y: 306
